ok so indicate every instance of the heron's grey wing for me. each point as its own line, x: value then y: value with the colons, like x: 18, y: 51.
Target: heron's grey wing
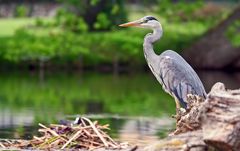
x: 178, y: 78
x: 172, y: 83
x: 181, y: 91
x: 183, y: 71
x: 168, y: 74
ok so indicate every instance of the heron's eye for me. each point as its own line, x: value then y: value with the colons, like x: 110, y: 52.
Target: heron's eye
x: 145, y: 21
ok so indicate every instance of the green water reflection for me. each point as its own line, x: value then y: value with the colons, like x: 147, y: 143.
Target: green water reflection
x: 27, y: 100
x: 75, y: 93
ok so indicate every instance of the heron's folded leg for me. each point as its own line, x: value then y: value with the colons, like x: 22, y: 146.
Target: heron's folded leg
x: 178, y: 108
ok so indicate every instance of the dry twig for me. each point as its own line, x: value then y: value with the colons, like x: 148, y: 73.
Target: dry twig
x: 86, y: 135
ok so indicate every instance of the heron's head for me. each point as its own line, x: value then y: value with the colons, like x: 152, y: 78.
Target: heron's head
x: 145, y: 22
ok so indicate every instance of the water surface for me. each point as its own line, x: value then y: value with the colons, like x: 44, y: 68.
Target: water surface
x: 134, y: 105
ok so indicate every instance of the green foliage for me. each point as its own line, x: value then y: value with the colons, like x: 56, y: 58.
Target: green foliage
x: 98, y: 14
x: 102, y: 21
x: 70, y: 22
x: 39, y: 22
x: 8, y: 26
x: 189, y: 11
x: 178, y: 11
x: 95, y: 47
x: 233, y: 33
x: 21, y: 11
x: 68, y: 36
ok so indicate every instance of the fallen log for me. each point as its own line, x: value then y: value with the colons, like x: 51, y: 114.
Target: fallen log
x: 211, y: 124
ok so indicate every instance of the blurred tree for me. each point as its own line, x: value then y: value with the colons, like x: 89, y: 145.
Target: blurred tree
x: 179, y: 10
x: 219, y: 47
x: 21, y: 11
x: 98, y: 14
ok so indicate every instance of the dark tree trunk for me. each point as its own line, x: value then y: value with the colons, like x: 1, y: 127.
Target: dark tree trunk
x: 214, y: 50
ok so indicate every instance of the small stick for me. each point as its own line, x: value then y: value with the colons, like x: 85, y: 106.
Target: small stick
x: 37, y: 138
x: 93, y: 142
x: 58, y: 125
x: 2, y: 145
x: 70, y: 140
x: 84, y: 145
x: 48, y: 129
x: 82, y: 121
x: 106, y: 126
x: 105, y: 135
x: 8, y: 141
x: 95, y: 147
x: 96, y: 131
x: 51, y: 131
x: 49, y: 141
x: 87, y: 133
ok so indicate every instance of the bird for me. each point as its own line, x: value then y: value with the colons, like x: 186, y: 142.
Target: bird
x: 175, y: 75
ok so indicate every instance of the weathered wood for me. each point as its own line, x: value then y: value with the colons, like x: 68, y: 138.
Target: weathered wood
x: 221, y: 120
x: 190, y: 119
x: 213, y: 124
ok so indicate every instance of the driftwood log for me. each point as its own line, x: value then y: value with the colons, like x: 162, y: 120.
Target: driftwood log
x: 207, y: 125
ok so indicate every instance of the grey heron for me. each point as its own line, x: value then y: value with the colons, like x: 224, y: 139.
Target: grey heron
x: 175, y: 75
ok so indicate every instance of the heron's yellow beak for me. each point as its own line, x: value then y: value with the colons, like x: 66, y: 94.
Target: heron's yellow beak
x: 131, y: 24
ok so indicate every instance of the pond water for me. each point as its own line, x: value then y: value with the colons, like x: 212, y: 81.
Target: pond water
x: 129, y: 103
x: 134, y: 105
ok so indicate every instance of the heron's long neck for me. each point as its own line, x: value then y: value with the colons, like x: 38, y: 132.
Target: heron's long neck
x: 149, y: 39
